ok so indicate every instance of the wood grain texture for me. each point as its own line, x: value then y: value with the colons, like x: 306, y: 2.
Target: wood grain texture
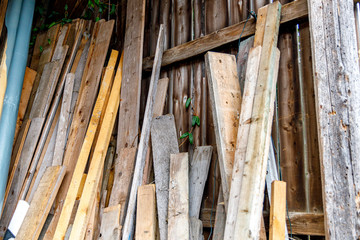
x: 164, y: 143
x: 277, y: 210
x: 146, y: 213
x: 199, y: 169
x: 128, y: 227
x: 335, y: 75
x: 60, y: 141
x: 291, y: 11
x: 41, y: 204
x: 86, y: 147
x: 110, y: 225
x: 225, y: 97
x: 130, y: 92
x: 88, y: 90
x: 196, y: 229
x: 252, y: 186
x: 178, y: 219
x: 242, y: 139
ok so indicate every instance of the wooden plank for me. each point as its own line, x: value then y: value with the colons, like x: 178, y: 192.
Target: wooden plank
x: 41, y: 204
x: 3, y: 77
x: 199, y: 168
x: 220, y: 217
x: 242, y: 139
x: 124, y: 169
x: 335, y: 75
x: 252, y: 186
x: 196, y: 229
x: 88, y: 90
x: 86, y: 147
x: 164, y: 142
x: 97, y: 162
x: 25, y: 95
x: 295, y: 10
x: 146, y: 213
x: 133, y: 53
x: 277, y: 210
x: 19, y: 173
x: 225, y: 97
x: 110, y: 225
x: 128, y: 227
x: 63, y: 121
x: 178, y: 219
x: 159, y: 105
x: 40, y: 40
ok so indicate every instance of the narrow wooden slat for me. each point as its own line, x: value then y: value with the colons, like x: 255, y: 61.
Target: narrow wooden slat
x: 133, y: 54
x: 277, y: 210
x: 110, y: 225
x: 60, y: 141
x: 40, y: 40
x: 146, y: 213
x: 86, y: 146
x: 41, y: 204
x: 225, y: 97
x: 97, y: 162
x: 199, y: 169
x: 220, y: 217
x: 242, y: 139
x: 291, y: 11
x: 196, y: 229
x: 178, y: 220
x: 128, y: 227
x: 25, y: 95
x: 252, y: 187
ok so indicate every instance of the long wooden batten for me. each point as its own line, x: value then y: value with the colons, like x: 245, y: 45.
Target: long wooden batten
x: 292, y: 11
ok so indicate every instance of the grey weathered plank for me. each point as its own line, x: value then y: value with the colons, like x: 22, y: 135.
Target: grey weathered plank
x: 336, y: 79
x: 199, y: 168
x: 164, y: 143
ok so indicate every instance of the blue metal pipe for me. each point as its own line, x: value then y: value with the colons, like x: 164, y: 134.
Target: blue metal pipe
x: 12, y: 18
x: 13, y: 91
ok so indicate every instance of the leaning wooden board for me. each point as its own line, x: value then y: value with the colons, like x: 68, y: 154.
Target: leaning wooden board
x: 41, y: 204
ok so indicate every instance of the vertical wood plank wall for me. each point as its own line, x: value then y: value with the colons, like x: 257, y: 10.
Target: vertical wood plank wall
x: 185, y: 20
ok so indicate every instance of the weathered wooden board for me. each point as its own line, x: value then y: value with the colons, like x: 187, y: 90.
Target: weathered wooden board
x: 335, y: 76
x: 291, y: 11
x: 242, y: 140
x: 130, y: 92
x: 86, y: 147
x: 128, y: 227
x: 87, y: 95
x: 60, y: 141
x: 164, y: 143
x: 178, y: 219
x: 277, y: 210
x: 253, y: 181
x: 220, y: 217
x: 41, y: 204
x: 97, y: 162
x: 146, y: 213
x: 199, y: 169
x: 110, y: 225
x: 225, y: 97
x: 196, y: 229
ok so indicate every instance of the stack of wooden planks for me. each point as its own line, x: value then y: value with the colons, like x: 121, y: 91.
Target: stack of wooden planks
x: 86, y: 177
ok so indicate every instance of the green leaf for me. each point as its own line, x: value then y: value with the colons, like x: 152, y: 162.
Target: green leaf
x: 35, y: 29
x: 191, y: 138
x: 184, y: 135
x: 41, y: 49
x: 97, y: 19
x: 49, y: 41
x: 188, y: 101
x: 91, y: 4
x: 195, y: 120
x: 52, y: 24
x: 66, y: 7
x: 100, y: 9
x: 113, y: 9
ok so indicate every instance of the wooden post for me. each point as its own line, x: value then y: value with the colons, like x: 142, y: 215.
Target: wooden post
x: 179, y: 225
x: 277, y: 210
x: 336, y: 75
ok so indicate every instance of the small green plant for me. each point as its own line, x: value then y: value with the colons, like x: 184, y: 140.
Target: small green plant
x: 195, y: 122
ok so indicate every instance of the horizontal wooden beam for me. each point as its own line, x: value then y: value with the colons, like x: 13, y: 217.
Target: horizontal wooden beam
x: 301, y: 223
x: 292, y: 11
